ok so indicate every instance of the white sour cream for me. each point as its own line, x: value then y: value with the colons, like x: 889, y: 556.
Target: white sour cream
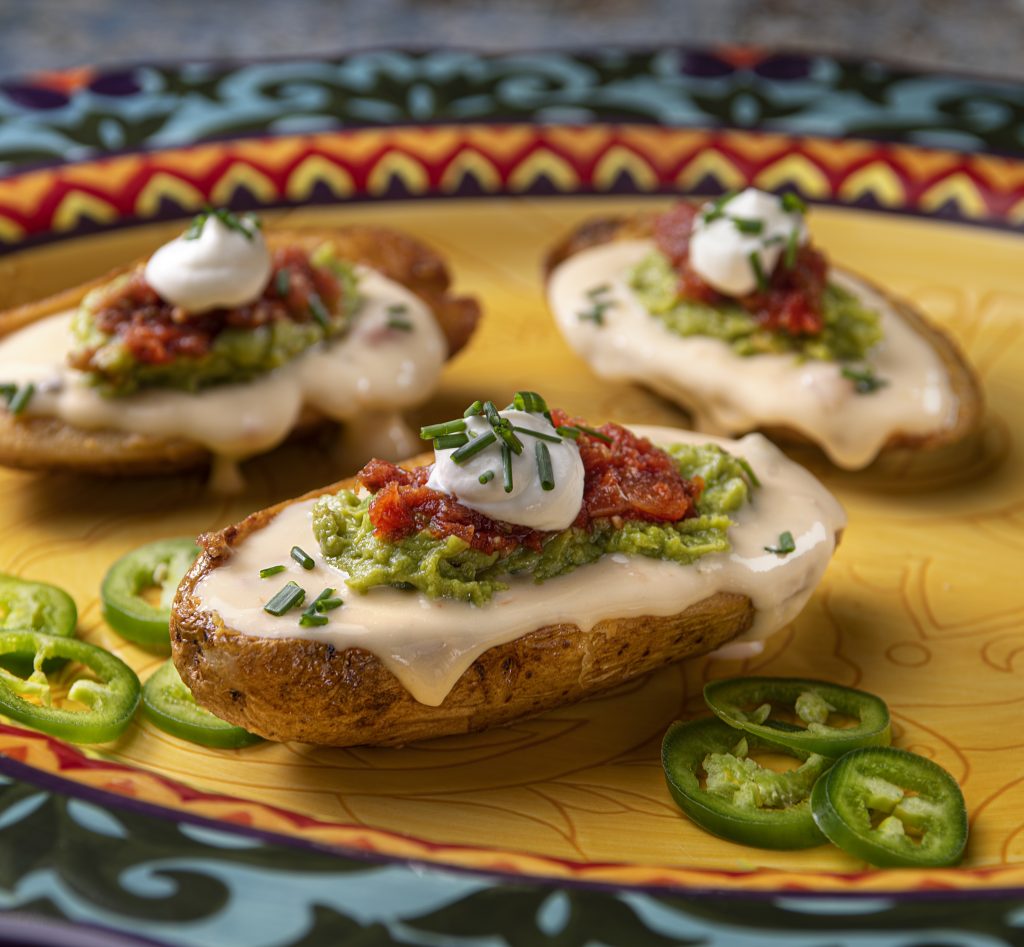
x: 729, y: 393
x: 429, y: 643
x: 219, y: 267
x: 721, y: 249
x: 372, y: 368
x: 527, y: 504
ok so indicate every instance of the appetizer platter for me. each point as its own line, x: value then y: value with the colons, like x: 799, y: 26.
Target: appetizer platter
x: 467, y: 715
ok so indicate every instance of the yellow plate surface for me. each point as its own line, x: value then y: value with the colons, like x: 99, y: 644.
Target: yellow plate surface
x: 922, y: 604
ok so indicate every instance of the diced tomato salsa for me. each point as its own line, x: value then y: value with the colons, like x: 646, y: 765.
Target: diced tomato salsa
x: 793, y: 300
x: 155, y: 332
x: 628, y: 479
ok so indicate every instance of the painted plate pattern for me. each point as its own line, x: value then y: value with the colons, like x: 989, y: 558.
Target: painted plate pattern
x: 921, y: 605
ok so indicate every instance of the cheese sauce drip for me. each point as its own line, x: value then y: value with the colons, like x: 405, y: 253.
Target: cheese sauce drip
x: 429, y: 643
x: 211, y: 265
x: 729, y: 235
x: 478, y: 483
x: 730, y: 393
x: 374, y: 367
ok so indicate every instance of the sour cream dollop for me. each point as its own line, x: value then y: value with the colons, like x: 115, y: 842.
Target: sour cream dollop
x: 528, y: 504
x: 751, y: 224
x: 222, y: 266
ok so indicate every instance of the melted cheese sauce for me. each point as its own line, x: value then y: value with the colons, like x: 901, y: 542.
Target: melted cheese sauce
x: 371, y: 369
x: 730, y: 394
x: 428, y: 643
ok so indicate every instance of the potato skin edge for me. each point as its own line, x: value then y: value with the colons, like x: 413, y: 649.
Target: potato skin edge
x: 308, y: 691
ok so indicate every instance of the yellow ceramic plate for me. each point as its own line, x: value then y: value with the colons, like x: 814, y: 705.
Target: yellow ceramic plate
x: 921, y: 605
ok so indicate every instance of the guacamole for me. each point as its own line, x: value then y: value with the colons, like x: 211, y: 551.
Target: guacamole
x: 850, y: 329
x: 233, y: 355
x: 449, y: 568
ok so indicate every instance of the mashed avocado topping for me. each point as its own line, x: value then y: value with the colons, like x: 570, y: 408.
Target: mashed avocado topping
x: 449, y: 568
x: 115, y: 346
x: 849, y: 331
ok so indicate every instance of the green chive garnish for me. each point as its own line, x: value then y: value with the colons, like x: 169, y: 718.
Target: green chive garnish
x: 792, y: 248
x: 270, y: 570
x: 550, y: 438
x: 283, y: 282
x: 529, y: 401
x: 506, y: 467
x: 319, y: 311
x: 749, y: 471
x: 474, y: 447
x: 486, y: 477
x: 596, y: 312
x: 865, y: 381
x: 793, y: 203
x: 448, y: 441
x: 400, y: 324
x: 21, y: 398
x: 477, y: 407
x: 307, y: 619
x: 718, y: 207
x: 749, y: 225
x: 785, y: 546
x: 302, y: 557
x: 431, y: 431
x: 573, y: 433
x: 593, y: 432
x: 755, y: 265
x: 491, y: 413
x: 286, y: 599
x: 547, y: 475
x: 8, y: 391
x: 505, y: 432
x: 598, y: 290
x: 315, y: 604
x: 328, y: 604
x: 397, y: 309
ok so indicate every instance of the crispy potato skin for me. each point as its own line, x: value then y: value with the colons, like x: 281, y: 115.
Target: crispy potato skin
x: 963, y: 380
x: 296, y: 689
x: 50, y: 444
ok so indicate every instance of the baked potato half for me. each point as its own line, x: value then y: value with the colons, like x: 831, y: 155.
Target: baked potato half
x: 963, y: 421
x: 48, y: 443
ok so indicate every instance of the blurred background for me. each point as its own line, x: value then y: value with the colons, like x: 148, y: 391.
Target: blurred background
x: 981, y: 36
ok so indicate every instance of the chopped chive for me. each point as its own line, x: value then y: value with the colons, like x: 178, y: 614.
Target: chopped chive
x: 397, y: 309
x: 486, y: 477
x: 400, y: 324
x: 270, y: 570
x: 749, y: 225
x: 319, y: 311
x: 314, y: 606
x: 786, y: 545
x: 283, y: 282
x: 308, y: 619
x: 8, y: 391
x: 431, y: 431
x: 474, y: 447
x: 477, y: 407
x: 550, y: 438
x: 505, y: 432
x: 328, y: 604
x: 506, y: 467
x: 547, y: 475
x: 529, y: 401
x: 573, y: 433
x: 792, y: 248
x: 598, y: 290
x: 749, y: 471
x: 718, y: 207
x: 290, y: 595
x: 447, y: 441
x: 755, y: 265
x: 865, y: 381
x: 491, y: 413
x: 302, y: 557
x: 793, y: 203
x: 596, y: 312
x: 593, y: 432
x: 21, y: 398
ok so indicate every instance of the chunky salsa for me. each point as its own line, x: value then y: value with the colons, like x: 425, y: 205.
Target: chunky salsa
x: 129, y: 337
x: 626, y: 477
x: 792, y: 302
